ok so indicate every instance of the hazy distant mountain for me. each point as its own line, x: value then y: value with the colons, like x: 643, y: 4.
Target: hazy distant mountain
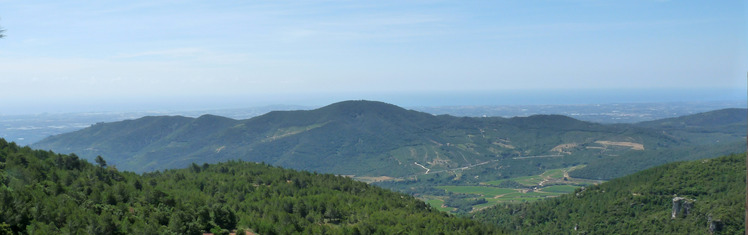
x: 702, y: 135
x: 363, y: 138
x: 600, y: 113
x: 730, y: 121
x: 32, y: 128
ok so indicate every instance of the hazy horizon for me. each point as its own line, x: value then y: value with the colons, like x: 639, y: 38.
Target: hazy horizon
x: 433, y: 99
x: 144, y: 55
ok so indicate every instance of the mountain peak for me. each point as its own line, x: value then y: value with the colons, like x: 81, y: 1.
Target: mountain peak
x: 362, y: 105
x: 213, y: 118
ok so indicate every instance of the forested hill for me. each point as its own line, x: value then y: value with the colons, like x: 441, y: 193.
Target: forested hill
x: 702, y: 135
x: 717, y: 118
x: 366, y: 138
x: 43, y: 192
x: 705, y: 193
x: 731, y: 121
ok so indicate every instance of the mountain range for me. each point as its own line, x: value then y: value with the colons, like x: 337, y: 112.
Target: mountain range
x: 384, y: 141
x: 467, y: 163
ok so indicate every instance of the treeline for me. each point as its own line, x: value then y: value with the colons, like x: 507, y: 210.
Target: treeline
x: 42, y: 192
x: 641, y: 203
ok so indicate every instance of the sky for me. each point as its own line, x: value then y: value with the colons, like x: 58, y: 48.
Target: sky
x: 89, y: 55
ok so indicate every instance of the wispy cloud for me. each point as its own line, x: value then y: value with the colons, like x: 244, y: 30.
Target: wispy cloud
x: 172, y: 53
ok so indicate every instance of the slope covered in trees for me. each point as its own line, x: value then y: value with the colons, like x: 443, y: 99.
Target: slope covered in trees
x: 713, y: 192
x: 702, y: 135
x: 374, y: 139
x: 726, y: 121
x: 42, y: 192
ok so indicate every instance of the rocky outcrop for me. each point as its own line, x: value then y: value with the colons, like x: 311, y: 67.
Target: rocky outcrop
x: 681, y: 207
x: 715, y: 225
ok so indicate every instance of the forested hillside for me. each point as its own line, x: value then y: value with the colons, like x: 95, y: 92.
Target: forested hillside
x: 375, y: 140
x: 42, y: 192
x: 703, y: 135
x: 726, y: 121
x: 696, y: 197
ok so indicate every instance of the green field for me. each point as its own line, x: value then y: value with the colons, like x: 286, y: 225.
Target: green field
x: 486, y: 192
x: 438, y: 203
x: 525, y: 180
x: 554, y: 184
x: 494, y: 195
x: 560, y: 189
x: 552, y: 174
x: 529, y: 180
x: 556, y: 173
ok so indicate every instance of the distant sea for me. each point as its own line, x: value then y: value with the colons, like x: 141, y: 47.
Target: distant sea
x: 562, y: 97
x: 405, y: 99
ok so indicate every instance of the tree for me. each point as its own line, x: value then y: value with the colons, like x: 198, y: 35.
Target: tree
x: 5, y: 229
x: 100, y: 160
x: 2, y: 31
x: 224, y: 217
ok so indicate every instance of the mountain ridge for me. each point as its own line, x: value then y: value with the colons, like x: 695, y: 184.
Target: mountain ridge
x: 729, y: 121
x: 362, y: 138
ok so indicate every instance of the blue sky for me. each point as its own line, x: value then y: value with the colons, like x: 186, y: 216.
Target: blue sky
x: 89, y: 53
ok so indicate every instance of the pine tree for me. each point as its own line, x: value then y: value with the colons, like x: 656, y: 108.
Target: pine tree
x: 100, y: 160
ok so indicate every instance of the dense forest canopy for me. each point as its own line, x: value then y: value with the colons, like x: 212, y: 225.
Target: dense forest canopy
x: 42, y: 192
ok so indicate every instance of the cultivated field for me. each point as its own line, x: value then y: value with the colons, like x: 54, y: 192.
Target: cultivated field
x: 551, y: 183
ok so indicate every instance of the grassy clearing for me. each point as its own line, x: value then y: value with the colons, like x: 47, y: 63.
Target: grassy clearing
x: 555, y: 173
x: 439, y: 205
x: 529, y: 180
x: 533, y: 180
x: 488, y: 192
x: 560, y: 189
x: 525, y: 180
